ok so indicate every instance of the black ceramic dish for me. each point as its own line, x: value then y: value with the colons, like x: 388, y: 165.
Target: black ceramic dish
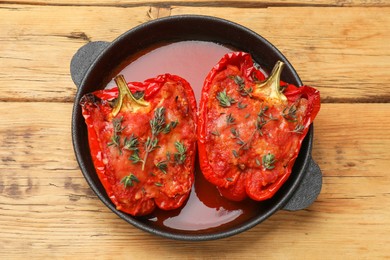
x: 92, y: 67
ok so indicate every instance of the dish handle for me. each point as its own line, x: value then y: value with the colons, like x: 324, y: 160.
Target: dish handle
x: 308, y: 190
x: 83, y: 59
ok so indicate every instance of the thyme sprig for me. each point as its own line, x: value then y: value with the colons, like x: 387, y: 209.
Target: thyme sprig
x: 180, y: 156
x: 158, y: 121
x: 171, y: 125
x: 230, y: 120
x: 162, y: 166
x: 157, y: 124
x: 224, y: 99
x: 263, y: 118
x: 117, y: 127
x: 131, y: 143
x: 244, y: 145
x: 135, y: 158
x: 298, y: 129
x: 241, y: 86
x: 236, y: 135
x: 290, y: 112
x: 269, y: 161
x: 150, y: 146
x: 128, y: 181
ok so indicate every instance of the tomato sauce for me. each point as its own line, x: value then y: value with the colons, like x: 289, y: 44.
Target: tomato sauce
x: 205, y: 209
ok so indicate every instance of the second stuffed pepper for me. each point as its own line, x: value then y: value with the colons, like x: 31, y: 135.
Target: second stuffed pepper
x: 250, y: 128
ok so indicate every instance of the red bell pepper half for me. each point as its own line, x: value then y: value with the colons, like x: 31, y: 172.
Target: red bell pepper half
x: 142, y: 142
x: 250, y: 128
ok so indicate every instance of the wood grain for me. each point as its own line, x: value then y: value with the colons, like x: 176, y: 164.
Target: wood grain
x: 331, y: 48
x: 205, y: 3
x: 48, y: 210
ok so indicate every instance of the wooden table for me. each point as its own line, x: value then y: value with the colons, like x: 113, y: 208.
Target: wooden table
x: 47, y: 209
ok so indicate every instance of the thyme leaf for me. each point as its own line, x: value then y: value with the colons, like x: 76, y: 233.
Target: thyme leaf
x: 134, y: 158
x: 258, y: 162
x: 158, y: 121
x: 115, y: 141
x: 216, y: 133
x: 230, y: 119
x: 235, y: 133
x: 180, y: 156
x: 224, y: 99
x: 157, y: 124
x: 162, y: 166
x: 117, y: 127
x: 139, y: 94
x: 290, y: 112
x: 167, y: 129
x: 241, y: 86
x: 261, y: 119
x: 168, y: 154
x: 243, y: 145
x: 241, y: 105
x: 131, y: 143
x: 128, y: 181
x: 298, y: 129
x: 269, y: 161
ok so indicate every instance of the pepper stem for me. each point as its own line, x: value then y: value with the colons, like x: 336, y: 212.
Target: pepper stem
x: 124, y: 92
x: 272, y: 84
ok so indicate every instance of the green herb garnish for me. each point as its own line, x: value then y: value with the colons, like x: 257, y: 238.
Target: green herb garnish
x: 299, y: 129
x: 157, y: 124
x: 128, y: 181
x: 162, y: 166
x: 180, y: 156
x: 117, y: 127
x: 241, y: 105
x: 268, y: 161
x: 216, y: 133
x: 131, y: 143
x: 290, y: 112
x: 135, y: 158
x: 241, y: 87
x: 224, y: 99
x: 230, y: 119
x: 263, y: 118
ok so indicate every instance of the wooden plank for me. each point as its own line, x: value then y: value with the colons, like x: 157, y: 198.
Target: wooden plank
x: 35, y: 57
x: 216, y: 3
x: 48, y: 210
x: 331, y: 48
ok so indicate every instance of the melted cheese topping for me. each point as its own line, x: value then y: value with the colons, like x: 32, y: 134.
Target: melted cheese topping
x: 240, y: 135
x: 167, y: 186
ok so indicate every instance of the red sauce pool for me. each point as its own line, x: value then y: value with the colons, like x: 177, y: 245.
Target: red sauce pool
x: 191, y: 60
x: 205, y: 209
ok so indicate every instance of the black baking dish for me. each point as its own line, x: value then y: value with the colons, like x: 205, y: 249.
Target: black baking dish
x: 93, y: 64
